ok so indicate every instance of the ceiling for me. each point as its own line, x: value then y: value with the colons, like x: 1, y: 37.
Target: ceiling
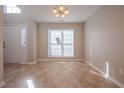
x: 43, y: 13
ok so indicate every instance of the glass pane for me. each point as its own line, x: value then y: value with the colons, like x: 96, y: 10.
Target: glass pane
x: 56, y: 37
x: 18, y: 10
x: 8, y: 10
x: 56, y: 50
x: 68, y: 50
x: 68, y: 37
x: 23, y: 37
x: 13, y: 10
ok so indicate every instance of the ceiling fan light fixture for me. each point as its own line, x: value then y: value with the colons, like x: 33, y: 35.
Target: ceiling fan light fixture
x: 62, y: 15
x: 55, y: 10
x: 61, y: 8
x: 57, y: 15
x: 66, y: 12
x: 60, y: 11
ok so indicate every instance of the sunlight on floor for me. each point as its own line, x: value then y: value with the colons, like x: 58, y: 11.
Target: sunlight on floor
x: 93, y: 72
x: 107, y: 69
x: 30, y: 84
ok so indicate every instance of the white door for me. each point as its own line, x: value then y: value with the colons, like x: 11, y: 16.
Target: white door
x: 12, y: 47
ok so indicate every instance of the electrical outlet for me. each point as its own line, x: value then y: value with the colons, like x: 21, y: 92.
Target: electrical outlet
x: 121, y: 71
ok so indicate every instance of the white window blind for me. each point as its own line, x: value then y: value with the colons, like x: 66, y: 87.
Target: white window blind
x: 61, y: 43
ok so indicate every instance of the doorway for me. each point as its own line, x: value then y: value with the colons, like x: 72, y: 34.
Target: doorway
x: 15, y: 44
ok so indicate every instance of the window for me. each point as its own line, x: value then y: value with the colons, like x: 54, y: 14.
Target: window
x: 23, y: 37
x: 61, y: 43
x: 11, y: 9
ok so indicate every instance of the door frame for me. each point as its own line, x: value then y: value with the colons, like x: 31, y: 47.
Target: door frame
x: 22, y: 50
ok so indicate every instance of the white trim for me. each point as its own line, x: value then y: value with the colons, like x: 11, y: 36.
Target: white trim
x: 2, y: 83
x: 116, y: 82
x: 103, y: 75
x: 59, y: 59
x: 14, y: 25
x: 101, y: 72
x: 31, y: 63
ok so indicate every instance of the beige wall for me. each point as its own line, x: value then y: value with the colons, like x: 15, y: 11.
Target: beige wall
x: 15, y: 19
x: 78, y: 38
x: 105, y: 31
x: 32, y: 40
x: 1, y: 45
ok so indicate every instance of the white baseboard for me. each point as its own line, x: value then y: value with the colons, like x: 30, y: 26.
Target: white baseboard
x: 31, y: 63
x: 96, y: 68
x: 103, y: 75
x: 57, y: 60
x: 116, y: 82
x: 2, y: 83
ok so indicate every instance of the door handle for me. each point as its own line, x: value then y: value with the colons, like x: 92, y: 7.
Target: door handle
x: 4, y: 44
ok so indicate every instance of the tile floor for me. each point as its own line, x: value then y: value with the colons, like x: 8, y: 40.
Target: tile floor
x: 54, y: 75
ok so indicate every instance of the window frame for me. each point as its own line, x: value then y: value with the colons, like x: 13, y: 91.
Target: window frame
x: 17, y: 9
x: 62, y: 45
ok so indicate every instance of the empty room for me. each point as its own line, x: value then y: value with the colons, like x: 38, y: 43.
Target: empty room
x: 61, y: 46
